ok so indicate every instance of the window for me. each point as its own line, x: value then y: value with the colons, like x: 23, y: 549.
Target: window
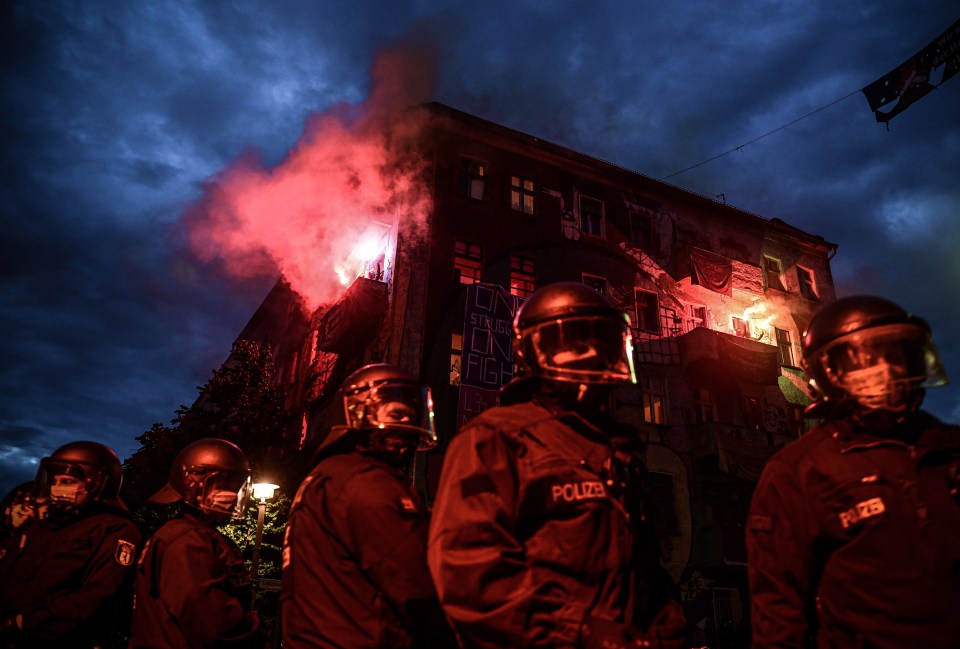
x: 466, y: 261
x: 727, y: 609
x: 521, y: 194
x: 326, y: 364
x: 664, y: 502
x: 471, y: 182
x: 294, y: 367
x: 640, y: 231
x: 753, y: 413
x: 784, y: 347
x: 648, y: 311
x: 771, y: 273
x: 311, y: 351
x: 597, y: 283
x: 696, y: 316
x: 591, y: 216
x: 456, y: 352
x: 808, y: 287
x: 740, y: 327
x: 705, y: 405
x: 654, y: 393
x: 797, y: 419
x: 523, y: 275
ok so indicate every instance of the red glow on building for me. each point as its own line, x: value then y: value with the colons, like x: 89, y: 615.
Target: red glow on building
x: 331, y: 210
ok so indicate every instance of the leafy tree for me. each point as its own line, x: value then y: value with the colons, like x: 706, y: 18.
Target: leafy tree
x: 240, y: 403
x: 243, y: 533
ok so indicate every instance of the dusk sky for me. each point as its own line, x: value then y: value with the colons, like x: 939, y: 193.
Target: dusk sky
x: 116, y: 114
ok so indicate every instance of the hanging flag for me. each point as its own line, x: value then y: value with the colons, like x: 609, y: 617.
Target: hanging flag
x: 710, y: 270
x: 892, y: 93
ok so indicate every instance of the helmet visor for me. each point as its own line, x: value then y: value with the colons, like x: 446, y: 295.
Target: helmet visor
x: 226, y: 493
x: 67, y: 484
x: 396, y: 406
x: 881, y: 366
x: 587, y: 349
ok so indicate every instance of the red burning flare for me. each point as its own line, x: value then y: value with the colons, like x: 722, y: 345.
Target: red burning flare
x: 345, y: 177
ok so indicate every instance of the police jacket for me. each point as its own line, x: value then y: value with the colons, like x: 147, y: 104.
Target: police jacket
x: 536, y: 529
x: 853, y: 540
x: 192, y: 590
x: 70, y: 579
x: 354, y: 560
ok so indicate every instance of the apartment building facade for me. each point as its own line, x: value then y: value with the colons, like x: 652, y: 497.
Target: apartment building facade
x: 718, y: 299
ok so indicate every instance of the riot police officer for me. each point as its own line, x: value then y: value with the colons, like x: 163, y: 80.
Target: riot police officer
x: 852, y: 534
x: 19, y: 507
x: 354, y: 555
x: 541, y: 535
x: 192, y: 587
x: 66, y: 582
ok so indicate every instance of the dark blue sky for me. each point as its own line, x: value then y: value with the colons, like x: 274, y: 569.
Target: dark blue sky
x: 114, y: 114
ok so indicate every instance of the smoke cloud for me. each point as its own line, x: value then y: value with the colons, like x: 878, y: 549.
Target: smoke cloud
x: 350, y: 169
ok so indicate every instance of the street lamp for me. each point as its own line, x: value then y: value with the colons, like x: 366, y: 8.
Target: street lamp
x: 262, y: 491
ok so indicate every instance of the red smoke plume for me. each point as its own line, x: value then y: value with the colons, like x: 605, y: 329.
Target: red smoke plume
x: 304, y: 217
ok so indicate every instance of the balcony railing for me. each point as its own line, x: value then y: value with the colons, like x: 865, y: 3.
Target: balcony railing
x: 741, y: 451
x: 718, y: 357
x: 354, y: 318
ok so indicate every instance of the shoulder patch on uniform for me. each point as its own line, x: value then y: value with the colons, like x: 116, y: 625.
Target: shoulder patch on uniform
x: 760, y: 523
x: 126, y: 552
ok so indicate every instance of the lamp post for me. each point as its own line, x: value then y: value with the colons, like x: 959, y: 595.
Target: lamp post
x: 262, y: 491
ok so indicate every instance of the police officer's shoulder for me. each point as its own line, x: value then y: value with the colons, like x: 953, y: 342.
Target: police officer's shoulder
x: 508, y: 420
x: 111, y: 521
x: 185, y: 531
x: 811, y: 445
x: 354, y: 475
x: 344, y: 466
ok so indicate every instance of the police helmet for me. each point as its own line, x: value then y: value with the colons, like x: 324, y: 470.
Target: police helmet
x: 212, y: 475
x: 388, y: 401
x: 569, y: 332
x: 77, y: 475
x: 871, y: 355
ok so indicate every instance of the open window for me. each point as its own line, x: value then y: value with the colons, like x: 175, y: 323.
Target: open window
x: 597, y: 283
x: 591, y: 216
x: 808, y: 285
x: 471, y: 181
x: 772, y: 273
x: 647, y: 311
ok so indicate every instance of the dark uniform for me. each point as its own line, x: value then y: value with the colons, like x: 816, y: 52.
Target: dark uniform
x: 538, y: 529
x: 854, y: 539
x: 70, y: 580
x: 192, y: 590
x: 354, y: 560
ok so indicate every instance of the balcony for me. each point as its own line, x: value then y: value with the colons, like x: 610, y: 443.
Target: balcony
x: 739, y: 451
x: 716, y: 358
x: 353, y: 320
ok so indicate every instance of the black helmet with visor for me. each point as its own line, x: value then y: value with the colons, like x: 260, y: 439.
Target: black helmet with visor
x: 383, y: 398
x: 870, y: 354
x: 211, y: 475
x: 77, y: 475
x: 569, y: 332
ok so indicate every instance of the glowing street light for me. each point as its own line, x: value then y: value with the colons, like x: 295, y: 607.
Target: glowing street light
x: 262, y: 491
